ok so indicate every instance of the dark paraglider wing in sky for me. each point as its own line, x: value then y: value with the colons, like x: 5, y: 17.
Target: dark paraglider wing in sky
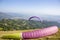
x: 35, y: 17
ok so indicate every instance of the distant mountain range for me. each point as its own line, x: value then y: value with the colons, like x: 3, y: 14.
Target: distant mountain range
x: 4, y: 15
x: 26, y: 16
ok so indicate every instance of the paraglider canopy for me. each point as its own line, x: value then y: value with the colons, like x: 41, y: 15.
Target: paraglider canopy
x: 35, y: 22
x: 35, y: 17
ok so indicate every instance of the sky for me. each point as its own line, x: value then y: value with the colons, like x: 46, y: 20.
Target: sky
x: 50, y: 7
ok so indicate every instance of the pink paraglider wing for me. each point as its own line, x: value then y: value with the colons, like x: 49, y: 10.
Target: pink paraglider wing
x: 40, y: 33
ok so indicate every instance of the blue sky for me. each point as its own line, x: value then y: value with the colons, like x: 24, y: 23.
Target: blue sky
x: 50, y: 7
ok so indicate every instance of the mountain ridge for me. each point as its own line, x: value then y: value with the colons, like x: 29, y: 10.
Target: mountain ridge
x: 26, y: 16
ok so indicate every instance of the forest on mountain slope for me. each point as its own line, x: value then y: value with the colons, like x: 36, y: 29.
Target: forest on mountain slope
x: 22, y: 24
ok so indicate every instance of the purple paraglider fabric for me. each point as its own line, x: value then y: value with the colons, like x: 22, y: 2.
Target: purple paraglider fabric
x: 35, y: 17
x: 40, y: 33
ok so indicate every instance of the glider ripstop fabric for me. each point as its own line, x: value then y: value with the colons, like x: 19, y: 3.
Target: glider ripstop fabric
x: 40, y: 33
